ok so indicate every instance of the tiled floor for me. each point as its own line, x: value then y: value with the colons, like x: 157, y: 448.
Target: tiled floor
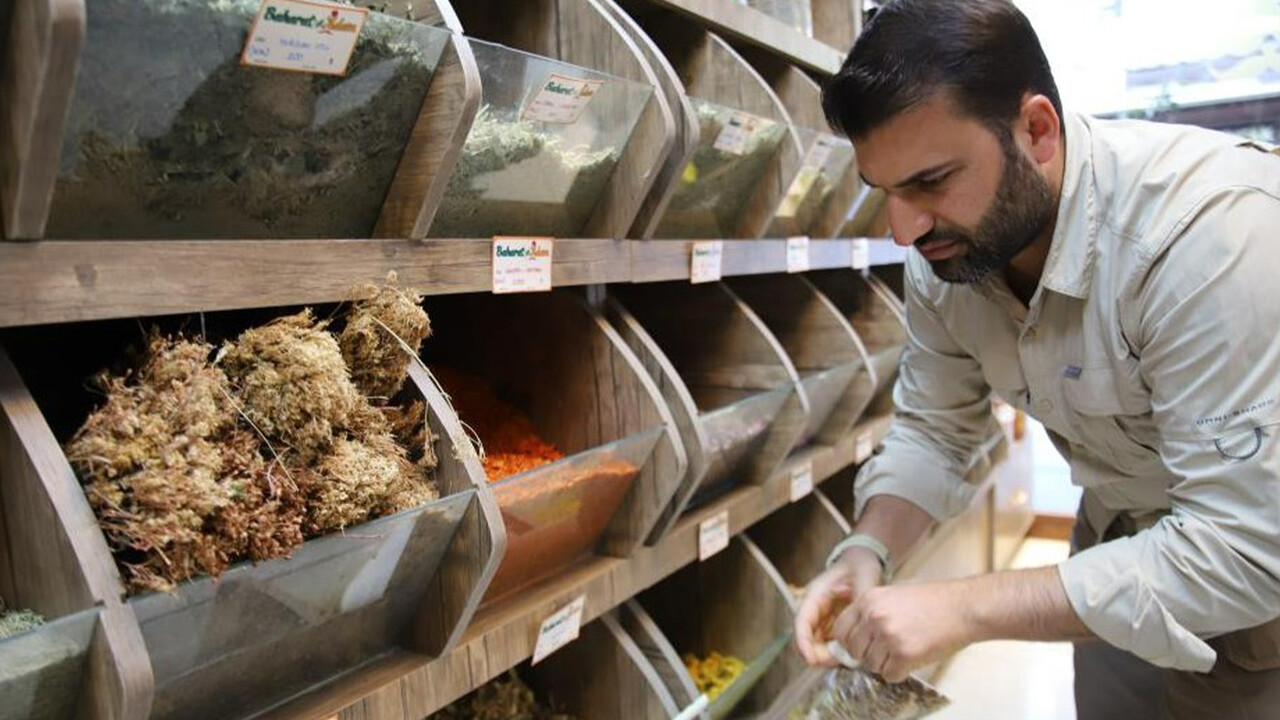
x: 1012, y: 680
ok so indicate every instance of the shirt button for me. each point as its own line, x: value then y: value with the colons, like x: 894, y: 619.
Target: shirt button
x: 1045, y: 405
x: 1030, y: 334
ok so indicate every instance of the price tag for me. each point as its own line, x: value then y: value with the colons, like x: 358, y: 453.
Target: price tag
x: 713, y: 535
x: 820, y: 152
x: 735, y: 135
x: 797, y: 254
x: 707, y: 261
x: 864, y: 448
x: 561, y: 99
x: 560, y: 629
x: 801, y: 480
x: 861, y: 254
x: 305, y: 36
x: 521, y: 264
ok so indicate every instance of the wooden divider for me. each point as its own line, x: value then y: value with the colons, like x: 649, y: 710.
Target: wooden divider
x: 834, y: 368
x: 708, y: 352
x: 38, y: 62
x: 711, y: 70
x: 876, y: 316
x: 586, y: 33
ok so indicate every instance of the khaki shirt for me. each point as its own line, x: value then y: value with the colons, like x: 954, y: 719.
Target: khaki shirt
x: 1151, y: 353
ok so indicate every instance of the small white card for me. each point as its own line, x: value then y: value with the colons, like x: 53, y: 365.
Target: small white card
x: 864, y: 448
x: 861, y: 254
x: 801, y: 481
x: 820, y: 152
x: 713, y: 535
x: 797, y: 254
x: 735, y: 135
x: 561, y: 99
x: 304, y: 36
x: 560, y: 629
x: 707, y: 261
x: 521, y: 264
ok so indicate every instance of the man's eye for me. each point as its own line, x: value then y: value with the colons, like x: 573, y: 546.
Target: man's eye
x: 932, y: 183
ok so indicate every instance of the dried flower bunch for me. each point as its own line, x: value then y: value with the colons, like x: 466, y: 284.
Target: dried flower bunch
x: 196, y: 461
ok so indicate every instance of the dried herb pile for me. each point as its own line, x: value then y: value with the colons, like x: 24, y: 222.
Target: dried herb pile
x: 505, y: 699
x: 16, y: 622
x: 199, y: 459
x: 511, y: 444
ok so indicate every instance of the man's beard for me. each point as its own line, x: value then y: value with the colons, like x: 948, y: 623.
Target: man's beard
x: 1023, y: 208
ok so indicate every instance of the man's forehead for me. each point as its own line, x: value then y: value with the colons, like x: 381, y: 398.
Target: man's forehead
x: 931, y: 133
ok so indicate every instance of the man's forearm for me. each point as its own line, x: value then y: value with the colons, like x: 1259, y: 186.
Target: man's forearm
x: 896, y: 522
x: 1019, y: 605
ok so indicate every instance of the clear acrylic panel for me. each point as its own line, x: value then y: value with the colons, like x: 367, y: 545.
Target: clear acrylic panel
x: 826, y: 160
x: 556, y: 514
x: 542, y: 148
x: 825, y: 388
x: 733, y: 154
x: 261, y: 633
x: 733, y: 431
x: 42, y: 670
x: 169, y: 136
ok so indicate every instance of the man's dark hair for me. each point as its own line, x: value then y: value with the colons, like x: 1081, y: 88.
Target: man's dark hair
x: 983, y: 51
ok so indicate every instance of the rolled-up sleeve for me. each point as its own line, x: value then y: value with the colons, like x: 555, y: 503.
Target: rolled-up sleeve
x: 943, y: 413
x: 1206, y: 326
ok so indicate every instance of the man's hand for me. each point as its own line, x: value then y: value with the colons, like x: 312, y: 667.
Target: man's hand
x: 895, y: 630
x: 831, y: 593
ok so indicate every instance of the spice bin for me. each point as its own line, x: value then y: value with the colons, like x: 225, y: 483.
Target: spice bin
x: 747, y: 154
x: 571, y: 132
x: 529, y: 166
x: 798, y: 538
x: 175, y: 138
x: 580, y: 449
x: 725, y: 378
x: 699, y: 611
x: 835, y: 371
x: 876, y: 316
x: 261, y: 633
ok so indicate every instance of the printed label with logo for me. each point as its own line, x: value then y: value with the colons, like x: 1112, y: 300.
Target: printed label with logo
x: 304, y: 36
x: 561, y: 99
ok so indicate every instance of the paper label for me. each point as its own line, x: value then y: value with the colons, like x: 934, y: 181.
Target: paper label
x: 735, y: 135
x: 861, y: 254
x: 864, y: 448
x: 522, y: 264
x: 304, y: 36
x: 707, y: 261
x: 797, y: 254
x: 561, y: 99
x: 820, y: 152
x: 801, y: 481
x: 560, y: 629
x: 713, y: 535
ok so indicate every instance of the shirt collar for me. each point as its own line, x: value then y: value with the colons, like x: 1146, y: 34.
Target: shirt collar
x: 1068, y: 269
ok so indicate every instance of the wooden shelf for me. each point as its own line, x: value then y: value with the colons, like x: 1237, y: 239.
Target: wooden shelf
x: 743, y: 23
x: 67, y: 281
x: 404, y: 686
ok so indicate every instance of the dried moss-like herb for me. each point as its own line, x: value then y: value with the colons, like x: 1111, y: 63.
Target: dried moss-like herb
x: 506, y: 699
x: 856, y: 694
x: 16, y: 622
x: 371, y: 342
x: 293, y: 382
x: 191, y: 466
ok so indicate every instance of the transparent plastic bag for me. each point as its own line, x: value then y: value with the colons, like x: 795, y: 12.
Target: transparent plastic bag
x: 858, y: 694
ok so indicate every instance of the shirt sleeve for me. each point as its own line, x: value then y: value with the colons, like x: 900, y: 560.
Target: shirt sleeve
x: 1206, y: 330
x: 943, y: 413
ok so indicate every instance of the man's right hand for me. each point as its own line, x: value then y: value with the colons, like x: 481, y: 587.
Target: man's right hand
x: 857, y: 571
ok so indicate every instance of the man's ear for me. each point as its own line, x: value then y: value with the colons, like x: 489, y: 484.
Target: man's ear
x: 1040, y: 121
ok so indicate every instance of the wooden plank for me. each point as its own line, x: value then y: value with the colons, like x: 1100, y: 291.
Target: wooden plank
x: 502, y: 636
x: 37, y: 77
x: 661, y: 260
x: 590, y: 36
x: 434, y: 146
x: 743, y: 23
x: 67, y: 281
x: 837, y: 23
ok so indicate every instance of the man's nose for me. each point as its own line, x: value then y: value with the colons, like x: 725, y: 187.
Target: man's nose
x: 907, y: 221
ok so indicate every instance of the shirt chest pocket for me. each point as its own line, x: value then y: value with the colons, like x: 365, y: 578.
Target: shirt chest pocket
x: 1110, y: 409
